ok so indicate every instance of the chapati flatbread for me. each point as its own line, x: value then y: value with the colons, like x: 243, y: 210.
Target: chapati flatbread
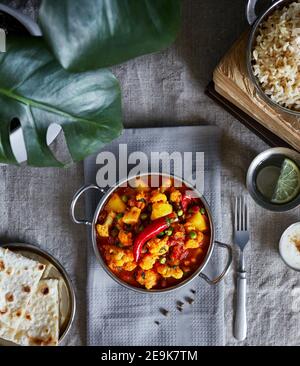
x: 19, y: 277
x: 40, y: 323
x: 6, y: 332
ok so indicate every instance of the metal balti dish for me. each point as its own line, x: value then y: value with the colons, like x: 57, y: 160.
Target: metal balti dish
x: 67, y: 302
x: 255, y: 21
x: 101, y: 204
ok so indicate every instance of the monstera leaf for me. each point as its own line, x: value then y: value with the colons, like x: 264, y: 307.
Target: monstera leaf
x: 35, y: 89
x: 92, y: 34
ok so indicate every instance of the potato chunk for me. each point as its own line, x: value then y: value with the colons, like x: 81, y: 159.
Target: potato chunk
x: 130, y: 266
x: 116, y: 204
x: 132, y: 217
x: 160, y: 209
x: 199, y: 221
x: 158, y: 197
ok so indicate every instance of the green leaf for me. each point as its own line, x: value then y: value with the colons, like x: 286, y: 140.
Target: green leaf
x: 102, y: 33
x: 35, y: 89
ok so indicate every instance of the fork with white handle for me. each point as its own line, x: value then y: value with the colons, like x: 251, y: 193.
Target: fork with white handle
x: 241, y: 239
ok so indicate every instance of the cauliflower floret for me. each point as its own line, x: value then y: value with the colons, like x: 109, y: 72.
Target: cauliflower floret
x: 147, y: 262
x: 147, y: 278
x: 175, y: 196
x: 142, y: 196
x: 125, y: 238
x: 140, y: 184
x: 132, y: 216
x: 103, y: 230
x: 179, y: 232
x: 166, y: 184
x: 194, y: 243
x: 158, y: 197
x: 158, y: 246
x: 118, y: 257
x: 167, y: 271
x: 189, y: 227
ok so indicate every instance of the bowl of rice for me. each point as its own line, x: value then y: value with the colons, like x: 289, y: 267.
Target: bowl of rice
x: 273, y: 56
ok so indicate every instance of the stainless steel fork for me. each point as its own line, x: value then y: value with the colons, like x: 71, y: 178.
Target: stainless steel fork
x: 241, y: 239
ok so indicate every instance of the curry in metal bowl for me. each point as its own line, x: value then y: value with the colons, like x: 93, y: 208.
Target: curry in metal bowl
x: 153, y: 238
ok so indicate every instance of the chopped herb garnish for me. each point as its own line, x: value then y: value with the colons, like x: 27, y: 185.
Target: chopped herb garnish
x: 119, y: 216
x: 202, y: 211
x: 114, y: 232
x: 169, y: 231
x: 160, y: 235
x: 169, y: 221
x: 144, y: 216
x: 163, y: 260
x: 124, y: 198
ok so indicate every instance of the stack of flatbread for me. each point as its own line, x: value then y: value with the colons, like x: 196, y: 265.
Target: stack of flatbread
x: 29, y: 303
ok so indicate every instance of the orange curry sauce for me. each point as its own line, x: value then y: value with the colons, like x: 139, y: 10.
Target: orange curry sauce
x: 166, y: 259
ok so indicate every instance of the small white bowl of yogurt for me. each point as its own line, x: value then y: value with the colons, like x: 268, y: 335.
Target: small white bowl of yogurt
x: 289, y: 246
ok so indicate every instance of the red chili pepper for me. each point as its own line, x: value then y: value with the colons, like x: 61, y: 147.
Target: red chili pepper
x: 153, y: 229
x: 187, y: 199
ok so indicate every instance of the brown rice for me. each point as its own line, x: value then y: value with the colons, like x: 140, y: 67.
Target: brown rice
x: 276, y: 56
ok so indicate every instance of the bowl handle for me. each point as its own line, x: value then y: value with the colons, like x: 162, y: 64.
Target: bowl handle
x: 76, y: 197
x: 228, y: 264
x: 250, y: 11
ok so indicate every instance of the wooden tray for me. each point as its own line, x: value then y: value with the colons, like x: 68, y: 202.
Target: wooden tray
x: 233, y: 89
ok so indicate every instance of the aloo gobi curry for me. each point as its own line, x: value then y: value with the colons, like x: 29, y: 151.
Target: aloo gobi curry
x: 153, y: 238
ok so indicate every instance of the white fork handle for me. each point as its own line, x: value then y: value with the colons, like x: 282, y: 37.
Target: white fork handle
x: 240, y: 325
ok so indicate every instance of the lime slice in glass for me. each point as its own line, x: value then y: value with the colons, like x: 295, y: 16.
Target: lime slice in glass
x: 288, y: 184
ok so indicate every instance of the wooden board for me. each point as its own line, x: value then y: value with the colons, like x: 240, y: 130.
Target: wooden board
x: 232, y: 82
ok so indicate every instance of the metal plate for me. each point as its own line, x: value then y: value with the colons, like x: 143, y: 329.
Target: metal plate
x: 67, y: 300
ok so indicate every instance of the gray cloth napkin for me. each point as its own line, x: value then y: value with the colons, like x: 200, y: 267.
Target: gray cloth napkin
x: 121, y: 317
